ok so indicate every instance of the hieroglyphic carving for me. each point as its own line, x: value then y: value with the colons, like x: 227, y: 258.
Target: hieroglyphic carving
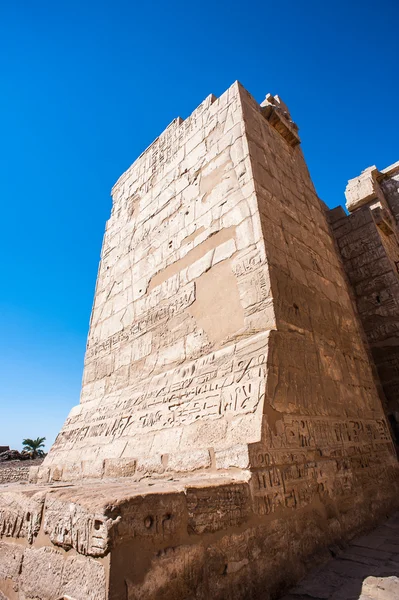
x: 210, y: 510
x: 229, y: 381
x: 316, y: 432
x: 165, y: 148
x: 247, y: 263
x: 20, y: 514
x: 316, y: 455
x: 69, y: 525
x: 158, y: 516
x: 145, y: 321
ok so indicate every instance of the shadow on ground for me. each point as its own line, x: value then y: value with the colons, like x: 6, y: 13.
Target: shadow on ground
x: 367, y: 570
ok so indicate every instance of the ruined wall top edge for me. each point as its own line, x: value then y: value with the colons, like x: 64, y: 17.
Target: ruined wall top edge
x: 175, y: 130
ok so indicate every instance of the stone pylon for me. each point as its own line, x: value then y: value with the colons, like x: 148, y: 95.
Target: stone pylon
x: 230, y: 425
x: 368, y: 242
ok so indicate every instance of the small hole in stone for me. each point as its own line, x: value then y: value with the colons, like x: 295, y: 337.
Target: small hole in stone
x: 170, y: 244
x: 28, y: 516
x: 295, y: 306
x: 378, y: 299
x: 97, y: 525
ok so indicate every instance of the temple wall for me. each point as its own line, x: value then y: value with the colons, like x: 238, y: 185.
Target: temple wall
x: 325, y: 435
x: 367, y: 239
x: 178, y: 339
x: 230, y: 428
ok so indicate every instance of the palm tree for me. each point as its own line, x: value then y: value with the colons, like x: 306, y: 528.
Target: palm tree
x: 34, y: 447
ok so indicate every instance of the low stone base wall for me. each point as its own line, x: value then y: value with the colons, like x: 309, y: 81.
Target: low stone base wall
x: 195, y: 537
x: 17, y: 470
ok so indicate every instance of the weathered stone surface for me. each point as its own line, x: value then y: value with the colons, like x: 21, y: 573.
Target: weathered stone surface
x: 362, y: 189
x: 380, y: 588
x: 71, y: 524
x: 83, y: 579
x: 166, y: 352
x: 363, y: 571
x: 10, y: 560
x: 368, y: 244
x: 41, y: 573
x: 119, y: 467
x: 21, y: 513
x: 230, y: 426
x: 16, y: 470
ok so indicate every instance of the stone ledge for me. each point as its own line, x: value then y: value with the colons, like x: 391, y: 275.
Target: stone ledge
x: 161, y: 539
x: 89, y: 516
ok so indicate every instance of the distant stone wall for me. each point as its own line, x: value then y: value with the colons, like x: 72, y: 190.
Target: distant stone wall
x: 16, y: 470
x: 368, y: 242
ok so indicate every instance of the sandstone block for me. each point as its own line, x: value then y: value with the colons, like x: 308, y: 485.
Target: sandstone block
x: 362, y: 189
x: 56, y: 473
x: 43, y: 474
x: 92, y: 468
x: 119, y: 467
x: 21, y: 513
x: 42, y: 572
x: 380, y: 588
x: 10, y: 560
x: 83, y: 579
x: 150, y: 465
x: 71, y: 471
x: 33, y: 474
x: 189, y: 461
x: 236, y: 457
x: 74, y: 524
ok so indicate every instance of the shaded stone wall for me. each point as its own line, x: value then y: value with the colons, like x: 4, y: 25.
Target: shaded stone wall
x: 367, y: 239
x: 322, y: 409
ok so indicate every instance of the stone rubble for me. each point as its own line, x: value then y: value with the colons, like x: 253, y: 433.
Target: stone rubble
x: 14, y: 455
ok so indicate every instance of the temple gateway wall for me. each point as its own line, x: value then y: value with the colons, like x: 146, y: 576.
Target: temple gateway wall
x: 231, y: 424
x: 367, y: 239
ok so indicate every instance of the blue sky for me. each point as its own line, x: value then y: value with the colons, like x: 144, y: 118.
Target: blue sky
x: 86, y: 86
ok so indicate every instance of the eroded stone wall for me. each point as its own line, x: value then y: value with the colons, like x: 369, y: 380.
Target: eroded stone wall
x: 367, y: 239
